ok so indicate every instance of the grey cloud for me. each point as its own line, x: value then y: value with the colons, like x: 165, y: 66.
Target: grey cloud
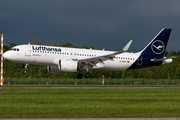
x: 102, y: 23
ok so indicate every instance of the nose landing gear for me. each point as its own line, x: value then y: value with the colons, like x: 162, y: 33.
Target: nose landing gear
x: 25, y: 71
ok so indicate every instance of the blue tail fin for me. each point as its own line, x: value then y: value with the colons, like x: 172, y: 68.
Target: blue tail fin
x: 152, y: 54
x: 157, y: 46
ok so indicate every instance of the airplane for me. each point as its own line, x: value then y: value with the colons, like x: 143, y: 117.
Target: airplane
x: 63, y: 59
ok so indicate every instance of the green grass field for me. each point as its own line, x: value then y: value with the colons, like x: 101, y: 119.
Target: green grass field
x: 79, y: 103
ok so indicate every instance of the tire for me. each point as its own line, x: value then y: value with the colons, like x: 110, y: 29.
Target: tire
x: 79, y: 76
x: 87, y: 75
x: 25, y: 71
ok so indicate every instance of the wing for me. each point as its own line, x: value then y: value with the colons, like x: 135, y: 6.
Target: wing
x: 100, y: 59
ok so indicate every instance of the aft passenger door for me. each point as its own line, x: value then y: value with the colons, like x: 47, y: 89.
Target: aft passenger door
x: 140, y: 60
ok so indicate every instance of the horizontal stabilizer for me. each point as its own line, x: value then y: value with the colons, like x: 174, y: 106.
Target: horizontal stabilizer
x: 157, y: 60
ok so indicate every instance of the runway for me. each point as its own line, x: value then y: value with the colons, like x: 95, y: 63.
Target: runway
x: 90, y: 87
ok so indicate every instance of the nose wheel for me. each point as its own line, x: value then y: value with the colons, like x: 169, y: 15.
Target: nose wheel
x: 25, y: 71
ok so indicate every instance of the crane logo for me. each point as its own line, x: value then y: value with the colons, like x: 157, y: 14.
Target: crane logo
x: 157, y: 47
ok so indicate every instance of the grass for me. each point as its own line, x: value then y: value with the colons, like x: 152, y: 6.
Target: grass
x: 79, y: 103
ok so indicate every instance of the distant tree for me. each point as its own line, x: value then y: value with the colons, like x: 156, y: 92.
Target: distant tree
x: 12, y: 45
x: 43, y: 42
x: 5, y: 48
x: 166, y: 53
x: 52, y: 43
x: 34, y: 41
x: 97, y: 48
x: 86, y: 47
x: 69, y: 45
x: 91, y: 46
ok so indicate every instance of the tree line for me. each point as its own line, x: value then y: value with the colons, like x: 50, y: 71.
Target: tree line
x: 168, y: 71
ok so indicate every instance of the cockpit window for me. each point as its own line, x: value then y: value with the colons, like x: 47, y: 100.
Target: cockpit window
x: 15, y: 49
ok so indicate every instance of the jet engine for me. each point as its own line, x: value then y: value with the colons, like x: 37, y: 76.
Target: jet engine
x: 68, y: 65
x: 63, y: 66
x: 54, y: 69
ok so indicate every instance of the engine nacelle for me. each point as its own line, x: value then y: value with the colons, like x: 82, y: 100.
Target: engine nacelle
x: 167, y: 61
x: 63, y: 66
x: 68, y: 65
x: 54, y: 69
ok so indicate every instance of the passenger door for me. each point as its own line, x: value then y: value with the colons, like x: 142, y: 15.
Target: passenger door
x: 28, y: 51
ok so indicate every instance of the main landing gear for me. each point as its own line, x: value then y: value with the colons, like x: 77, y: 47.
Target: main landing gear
x: 86, y: 75
x: 25, y: 71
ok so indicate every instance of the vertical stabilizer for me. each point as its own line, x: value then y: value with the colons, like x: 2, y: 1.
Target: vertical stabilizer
x: 157, y: 46
x: 152, y: 54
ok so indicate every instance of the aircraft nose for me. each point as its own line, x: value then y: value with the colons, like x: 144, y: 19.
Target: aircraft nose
x: 7, y: 55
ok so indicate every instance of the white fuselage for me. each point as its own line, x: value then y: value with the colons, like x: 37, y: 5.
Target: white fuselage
x: 46, y: 55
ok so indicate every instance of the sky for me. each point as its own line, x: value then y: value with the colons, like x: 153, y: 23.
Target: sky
x: 108, y: 24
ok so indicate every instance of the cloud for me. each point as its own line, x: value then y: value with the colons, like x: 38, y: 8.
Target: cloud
x: 101, y: 23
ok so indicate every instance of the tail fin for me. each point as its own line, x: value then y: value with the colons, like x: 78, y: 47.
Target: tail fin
x: 157, y: 46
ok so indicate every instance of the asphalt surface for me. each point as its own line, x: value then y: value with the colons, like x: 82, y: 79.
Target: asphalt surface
x: 89, y: 87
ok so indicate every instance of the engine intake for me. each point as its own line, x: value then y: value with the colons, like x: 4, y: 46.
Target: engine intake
x: 68, y: 65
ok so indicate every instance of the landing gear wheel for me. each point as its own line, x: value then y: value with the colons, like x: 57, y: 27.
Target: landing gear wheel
x: 79, y: 76
x: 25, y: 71
x: 87, y: 75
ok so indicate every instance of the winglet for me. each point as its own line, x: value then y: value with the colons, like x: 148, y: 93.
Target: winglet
x: 127, y: 46
x: 124, y: 49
